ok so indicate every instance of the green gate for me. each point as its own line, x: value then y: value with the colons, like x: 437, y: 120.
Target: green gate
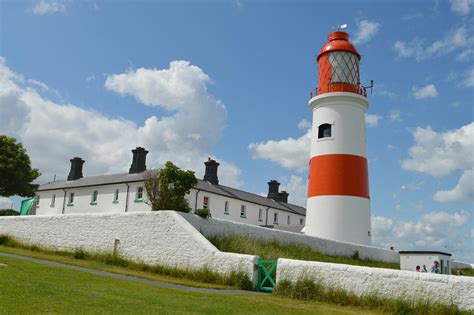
x: 266, y: 275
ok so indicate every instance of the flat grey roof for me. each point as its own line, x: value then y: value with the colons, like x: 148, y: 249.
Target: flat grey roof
x: 423, y: 252
x: 201, y: 185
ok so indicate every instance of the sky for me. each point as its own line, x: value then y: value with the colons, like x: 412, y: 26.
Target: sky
x: 231, y: 80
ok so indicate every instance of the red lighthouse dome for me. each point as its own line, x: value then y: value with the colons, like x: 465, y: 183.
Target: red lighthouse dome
x: 338, y: 63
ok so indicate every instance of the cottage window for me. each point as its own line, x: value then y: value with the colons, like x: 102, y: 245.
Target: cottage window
x: 288, y: 220
x: 301, y: 221
x: 139, y: 193
x: 53, y: 200
x: 226, y: 207
x: 275, y: 218
x: 71, y: 199
x: 94, y: 197
x: 205, y: 202
x: 116, y: 195
x: 260, y: 214
x: 243, y: 211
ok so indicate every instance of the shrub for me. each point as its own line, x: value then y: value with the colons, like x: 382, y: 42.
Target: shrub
x: 356, y: 255
x: 204, y: 213
x: 241, y: 280
x: 79, y: 253
x: 8, y: 212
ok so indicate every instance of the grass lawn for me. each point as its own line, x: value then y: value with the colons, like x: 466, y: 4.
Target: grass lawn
x: 27, y: 287
x: 273, y: 250
x: 107, y: 267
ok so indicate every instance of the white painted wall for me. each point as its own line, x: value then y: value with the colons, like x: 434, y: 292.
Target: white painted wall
x: 410, y: 261
x: 163, y: 238
x: 382, y: 282
x: 343, y: 218
x: 105, y: 204
x: 345, y: 111
x: 212, y: 227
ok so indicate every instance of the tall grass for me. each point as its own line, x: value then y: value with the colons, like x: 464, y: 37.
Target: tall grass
x: 273, y: 250
x: 236, y: 279
x: 307, y: 289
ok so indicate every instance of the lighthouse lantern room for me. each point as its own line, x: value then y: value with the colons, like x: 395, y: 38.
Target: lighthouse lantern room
x: 338, y: 205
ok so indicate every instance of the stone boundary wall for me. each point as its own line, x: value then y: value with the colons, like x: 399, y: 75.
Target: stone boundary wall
x: 162, y: 237
x: 212, y: 227
x: 383, y: 282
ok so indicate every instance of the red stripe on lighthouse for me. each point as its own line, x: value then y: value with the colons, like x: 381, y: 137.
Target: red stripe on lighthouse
x: 338, y: 174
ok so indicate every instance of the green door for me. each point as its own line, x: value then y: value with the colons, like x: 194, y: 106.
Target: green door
x: 266, y: 275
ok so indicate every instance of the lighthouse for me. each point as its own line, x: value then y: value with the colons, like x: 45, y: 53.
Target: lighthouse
x: 338, y: 205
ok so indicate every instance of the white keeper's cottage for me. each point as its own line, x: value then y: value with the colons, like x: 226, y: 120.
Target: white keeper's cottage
x: 126, y: 193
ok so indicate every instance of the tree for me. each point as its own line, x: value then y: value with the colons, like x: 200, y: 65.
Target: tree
x: 167, y: 187
x: 16, y: 173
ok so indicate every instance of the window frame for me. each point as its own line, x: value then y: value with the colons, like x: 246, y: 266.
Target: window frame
x: 53, y: 201
x: 288, y: 220
x: 243, y: 211
x: 205, y: 202
x: 260, y: 215
x: 70, y: 201
x: 94, y: 197
x: 226, y: 207
x: 139, y: 194
x: 275, y: 218
x: 321, y: 132
x: 116, y: 196
x: 301, y: 221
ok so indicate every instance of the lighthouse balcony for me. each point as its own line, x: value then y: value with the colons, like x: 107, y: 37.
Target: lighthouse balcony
x: 338, y: 87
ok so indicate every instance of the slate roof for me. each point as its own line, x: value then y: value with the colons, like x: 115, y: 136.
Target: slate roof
x: 202, y: 185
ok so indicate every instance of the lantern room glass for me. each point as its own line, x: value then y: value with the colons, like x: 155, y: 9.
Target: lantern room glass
x: 344, y: 67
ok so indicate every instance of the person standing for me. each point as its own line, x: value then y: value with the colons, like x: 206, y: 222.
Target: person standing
x: 435, y: 267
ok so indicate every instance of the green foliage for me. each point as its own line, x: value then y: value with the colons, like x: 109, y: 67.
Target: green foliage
x: 356, y: 255
x: 16, y: 173
x: 8, y: 212
x: 166, y: 188
x: 204, y: 213
x: 273, y: 250
x: 79, y: 253
x: 306, y: 289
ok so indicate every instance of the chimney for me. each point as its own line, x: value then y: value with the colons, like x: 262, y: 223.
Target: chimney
x: 283, y: 196
x: 138, y: 161
x: 274, y: 193
x: 76, y: 168
x: 211, y: 171
x: 273, y: 187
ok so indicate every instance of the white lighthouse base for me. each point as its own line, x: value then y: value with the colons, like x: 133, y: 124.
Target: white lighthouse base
x: 341, y: 218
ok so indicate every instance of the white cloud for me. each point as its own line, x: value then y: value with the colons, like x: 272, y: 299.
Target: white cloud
x: 462, y: 7
x: 366, y: 30
x: 297, y: 188
x: 43, y: 7
x: 5, y: 203
x: 391, y: 147
x: 53, y: 133
x: 290, y: 153
x: 425, y: 92
x: 304, y: 124
x: 464, y: 190
x: 469, y: 78
x: 372, y: 120
x: 440, y: 153
x: 435, y: 230
x: 412, y: 186
x: 395, y: 116
x: 457, y: 40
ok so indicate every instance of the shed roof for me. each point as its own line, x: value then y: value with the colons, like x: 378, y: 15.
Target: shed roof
x: 423, y: 252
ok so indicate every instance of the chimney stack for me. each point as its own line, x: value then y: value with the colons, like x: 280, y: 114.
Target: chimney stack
x: 76, y: 168
x: 211, y: 171
x: 138, y: 161
x: 274, y: 193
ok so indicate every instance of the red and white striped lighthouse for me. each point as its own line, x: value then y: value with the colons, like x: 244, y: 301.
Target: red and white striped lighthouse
x: 338, y: 204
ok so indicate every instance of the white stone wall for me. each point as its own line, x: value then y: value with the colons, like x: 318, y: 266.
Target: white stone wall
x: 213, y: 227
x: 383, y: 282
x: 163, y: 237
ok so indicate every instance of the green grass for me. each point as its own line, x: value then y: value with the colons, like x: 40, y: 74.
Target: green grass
x: 306, y: 289
x: 235, y: 279
x: 273, y: 250
x: 465, y: 272
x: 32, y: 288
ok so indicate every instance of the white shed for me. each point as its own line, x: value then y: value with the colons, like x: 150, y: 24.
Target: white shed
x: 409, y: 260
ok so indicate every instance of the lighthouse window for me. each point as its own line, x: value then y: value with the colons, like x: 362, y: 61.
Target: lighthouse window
x: 324, y: 131
x: 345, y: 67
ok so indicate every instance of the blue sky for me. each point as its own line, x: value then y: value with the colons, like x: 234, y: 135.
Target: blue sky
x: 232, y: 80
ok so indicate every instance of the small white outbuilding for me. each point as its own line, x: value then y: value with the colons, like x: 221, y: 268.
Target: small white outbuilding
x: 409, y: 260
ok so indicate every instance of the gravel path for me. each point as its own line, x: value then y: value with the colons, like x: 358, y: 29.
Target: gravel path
x: 129, y: 278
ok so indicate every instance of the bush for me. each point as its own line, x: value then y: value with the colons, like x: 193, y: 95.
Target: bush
x: 79, y: 253
x: 8, y: 212
x: 204, y: 213
x: 356, y: 255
